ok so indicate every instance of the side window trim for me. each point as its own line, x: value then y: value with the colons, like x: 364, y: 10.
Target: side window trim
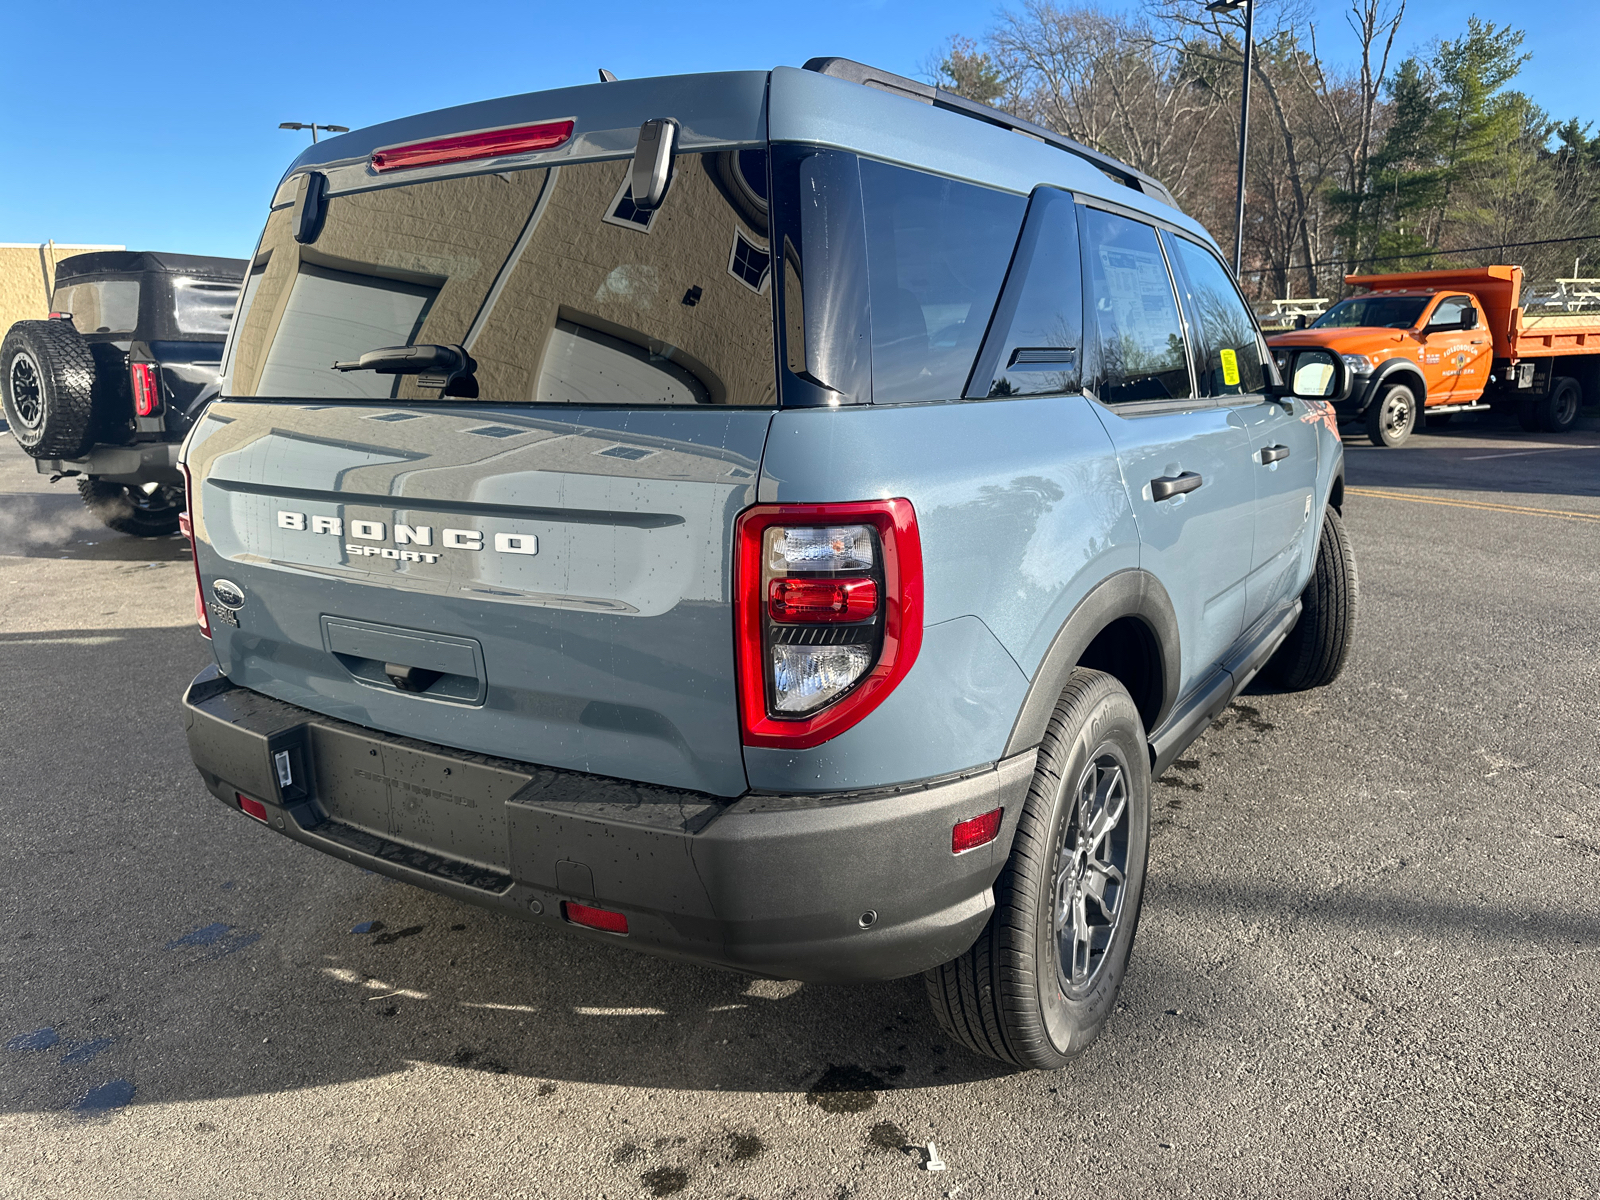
x: 1089, y: 358
x: 1269, y: 367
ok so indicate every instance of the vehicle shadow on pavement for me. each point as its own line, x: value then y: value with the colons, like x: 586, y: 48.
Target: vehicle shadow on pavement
x: 1488, y: 454
x: 163, y: 940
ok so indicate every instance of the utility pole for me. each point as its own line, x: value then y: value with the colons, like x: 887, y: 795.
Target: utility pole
x: 314, y: 128
x: 1230, y: 6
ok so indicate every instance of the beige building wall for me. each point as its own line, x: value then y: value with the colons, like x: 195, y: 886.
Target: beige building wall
x: 28, y: 275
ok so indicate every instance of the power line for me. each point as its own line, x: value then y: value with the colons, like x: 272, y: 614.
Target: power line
x: 1339, y: 262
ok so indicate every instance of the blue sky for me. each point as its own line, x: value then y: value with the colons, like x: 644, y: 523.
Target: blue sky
x: 155, y: 125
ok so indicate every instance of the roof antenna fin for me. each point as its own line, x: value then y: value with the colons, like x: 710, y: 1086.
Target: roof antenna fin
x: 606, y: 76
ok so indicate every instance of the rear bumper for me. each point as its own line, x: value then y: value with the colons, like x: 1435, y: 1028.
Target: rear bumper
x: 769, y: 884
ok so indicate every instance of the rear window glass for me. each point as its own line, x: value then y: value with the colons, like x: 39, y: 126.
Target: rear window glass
x: 105, y: 306
x: 203, y: 306
x: 559, y: 287
x: 937, y: 253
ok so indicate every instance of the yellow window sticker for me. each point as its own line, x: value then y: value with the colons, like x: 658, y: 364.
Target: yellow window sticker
x: 1230, y: 368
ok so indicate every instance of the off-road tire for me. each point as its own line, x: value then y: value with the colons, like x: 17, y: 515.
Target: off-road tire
x: 1558, y: 411
x: 131, y: 510
x: 1319, y: 644
x: 1392, y: 415
x: 1006, y: 997
x: 47, y: 388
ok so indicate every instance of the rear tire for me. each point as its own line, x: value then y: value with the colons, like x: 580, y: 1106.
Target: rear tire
x: 132, y: 510
x: 1319, y: 644
x: 1558, y: 411
x: 47, y: 388
x: 1392, y: 415
x: 1070, y: 892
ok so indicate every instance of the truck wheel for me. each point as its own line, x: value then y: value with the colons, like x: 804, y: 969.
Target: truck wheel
x: 1316, y: 649
x: 132, y: 510
x: 1558, y: 411
x: 46, y: 385
x: 1392, y: 416
x: 1039, y: 983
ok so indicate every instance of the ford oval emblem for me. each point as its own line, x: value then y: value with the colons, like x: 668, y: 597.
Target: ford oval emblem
x: 228, y: 593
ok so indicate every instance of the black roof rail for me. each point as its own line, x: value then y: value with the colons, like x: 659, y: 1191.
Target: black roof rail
x: 899, y: 85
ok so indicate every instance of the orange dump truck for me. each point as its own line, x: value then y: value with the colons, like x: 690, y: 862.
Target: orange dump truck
x: 1425, y: 345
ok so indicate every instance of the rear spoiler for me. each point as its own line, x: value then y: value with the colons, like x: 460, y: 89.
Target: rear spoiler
x: 899, y: 85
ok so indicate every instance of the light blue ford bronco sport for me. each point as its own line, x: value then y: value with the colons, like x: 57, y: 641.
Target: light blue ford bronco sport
x: 782, y: 520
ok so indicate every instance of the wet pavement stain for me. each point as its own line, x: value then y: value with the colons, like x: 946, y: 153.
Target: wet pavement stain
x: 386, y: 939
x: 845, y: 1089
x: 547, y: 1089
x: 367, y: 927
x: 39, y: 1039
x: 886, y: 1135
x: 220, y: 938
x: 665, y: 1181
x: 465, y: 1056
x: 626, y: 1153
x: 743, y: 1147
x: 103, y: 1099
x: 83, y: 1053
x: 1246, y: 714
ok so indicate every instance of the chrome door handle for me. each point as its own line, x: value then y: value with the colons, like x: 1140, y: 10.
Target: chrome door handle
x: 1169, y: 486
x: 1271, y: 454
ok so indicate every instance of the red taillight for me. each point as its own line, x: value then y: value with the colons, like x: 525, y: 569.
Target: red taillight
x: 804, y: 564
x: 146, y: 388
x: 186, y: 527
x: 978, y: 831
x: 821, y: 601
x: 594, y: 918
x: 489, y: 143
x: 251, y: 808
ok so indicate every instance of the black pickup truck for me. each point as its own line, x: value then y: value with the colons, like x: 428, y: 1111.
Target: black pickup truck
x: 105, y: 389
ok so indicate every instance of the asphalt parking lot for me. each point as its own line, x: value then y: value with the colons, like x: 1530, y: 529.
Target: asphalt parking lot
x: 1369, y: 962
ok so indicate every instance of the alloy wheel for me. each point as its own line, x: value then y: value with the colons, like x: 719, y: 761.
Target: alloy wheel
x: 27, y: 391
x: 1091, y: 874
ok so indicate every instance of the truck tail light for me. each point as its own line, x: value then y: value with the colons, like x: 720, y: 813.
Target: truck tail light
x: 828, y: 611
x: 146, y: 388
x: 186, y: 527
x: 464, y: 147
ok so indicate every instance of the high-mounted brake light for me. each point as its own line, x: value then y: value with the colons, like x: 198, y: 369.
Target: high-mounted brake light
x: 186, y: 527
x: 975, y: 832
x: 463, y: 147
x: 251, y: 808
x: 828, y: 611
x: 146, y: 388
x: 595, y: 918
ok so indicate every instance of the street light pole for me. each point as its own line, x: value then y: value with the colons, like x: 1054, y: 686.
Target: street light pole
x: 1228, y: 6
x: 314, y: 128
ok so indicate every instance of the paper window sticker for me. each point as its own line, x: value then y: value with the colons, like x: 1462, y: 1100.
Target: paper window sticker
x: 1230, y: 368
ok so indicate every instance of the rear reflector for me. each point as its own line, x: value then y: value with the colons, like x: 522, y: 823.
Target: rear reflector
x: 594, y: 918
x: 252, y: 808
x: 492, y: 143
x: 146, y: 391
x: 975, y: 832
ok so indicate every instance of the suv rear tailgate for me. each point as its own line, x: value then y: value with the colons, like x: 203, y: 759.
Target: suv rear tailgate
x: 559, y: 581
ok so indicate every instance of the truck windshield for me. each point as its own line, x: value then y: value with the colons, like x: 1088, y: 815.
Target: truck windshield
x: 559, y: 288
x: 1373, y: 312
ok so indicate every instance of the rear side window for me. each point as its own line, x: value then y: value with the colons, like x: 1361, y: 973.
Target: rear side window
x: 203, y: 306
x: 1140, y: 337
x: 559, y: 287
x: 937, y: 252
x: 105, y: 306
x: 1229, y: 351
x: 1033, y: 348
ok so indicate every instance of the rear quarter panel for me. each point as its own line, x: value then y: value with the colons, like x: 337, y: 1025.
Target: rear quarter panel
x: 1021, y: 509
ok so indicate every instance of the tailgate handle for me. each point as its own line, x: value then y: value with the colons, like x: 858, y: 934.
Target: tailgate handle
x: 1169, y: 486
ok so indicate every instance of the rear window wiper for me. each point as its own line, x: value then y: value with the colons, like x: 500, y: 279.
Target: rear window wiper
x: 448, y: 367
